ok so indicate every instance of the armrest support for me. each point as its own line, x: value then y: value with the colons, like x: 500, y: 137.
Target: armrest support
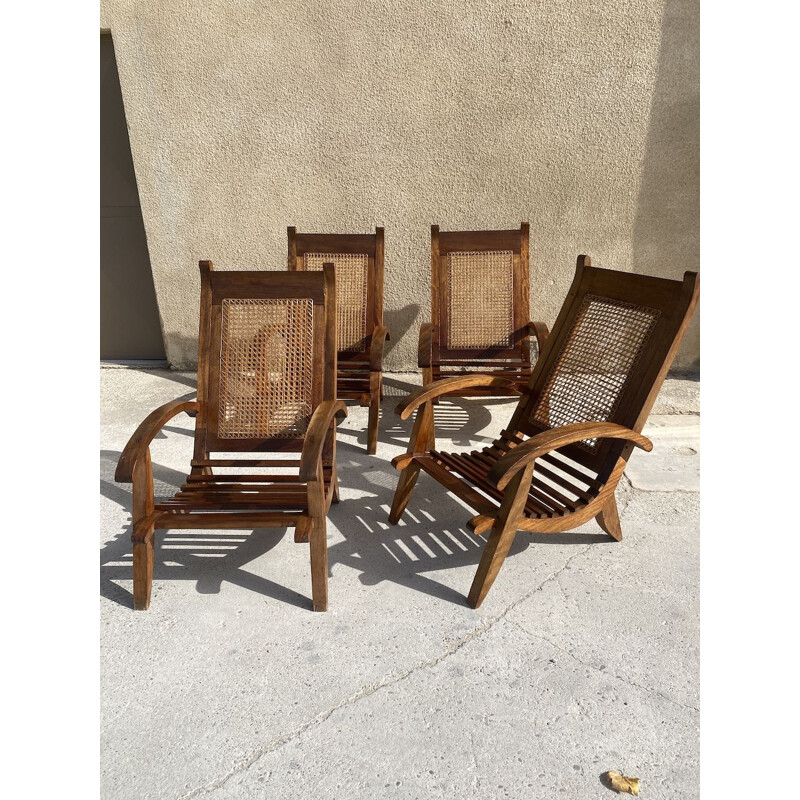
x: 379, y: 336
x: 540, y: 331
x: 437, y: 388
x: 425, y: 347
x: 516, y: 459
x: 321, y: 421
x: 140, y: 441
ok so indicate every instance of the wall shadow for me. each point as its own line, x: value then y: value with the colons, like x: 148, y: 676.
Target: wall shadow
x: 666, y: 235
x: 207, y: 557
x: 401, y: 322
x: 457, y: 418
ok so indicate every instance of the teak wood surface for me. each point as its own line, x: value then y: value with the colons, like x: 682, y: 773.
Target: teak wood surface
x: 577, y: 421
x: 214, y: 498
x: 360, y: 371
x: 438, y: 357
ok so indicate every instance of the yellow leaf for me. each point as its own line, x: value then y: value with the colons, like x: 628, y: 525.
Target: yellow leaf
x: 622, y: 783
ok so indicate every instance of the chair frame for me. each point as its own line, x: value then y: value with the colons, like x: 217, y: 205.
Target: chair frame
x: 298, y: 501
x: 360, y: 373
x: 505, y: 471
x: 438, y: 361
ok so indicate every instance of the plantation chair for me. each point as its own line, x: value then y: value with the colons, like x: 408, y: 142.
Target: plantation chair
x: 266, y: 384
x: 358, y: 259
x: 480, y: 309
x: 577, y: 421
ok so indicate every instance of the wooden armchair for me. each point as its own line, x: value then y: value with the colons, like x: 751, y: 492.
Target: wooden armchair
x: 480, y: 308
x: 266, y: 385
x: 576, y: 423
x: 358, y: 259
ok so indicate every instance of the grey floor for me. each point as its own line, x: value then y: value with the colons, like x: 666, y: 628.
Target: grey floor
x: 583, y: 658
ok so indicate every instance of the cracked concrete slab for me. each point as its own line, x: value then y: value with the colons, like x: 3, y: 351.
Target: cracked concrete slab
x: 507, y: 715
x: 229, y: 686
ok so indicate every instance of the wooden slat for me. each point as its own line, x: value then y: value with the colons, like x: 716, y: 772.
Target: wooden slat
x: 564, y: 466
x: 223, y: 500
x: 532, y: 506
x: 264, y: 519
x: 562, y: 481
x: 469, y: 470
x: 435, y: 469
x: 249, y: 488
x: 245, y: 462
x: 215, y: 479
x: 475, y: 471
x: 567, y: 503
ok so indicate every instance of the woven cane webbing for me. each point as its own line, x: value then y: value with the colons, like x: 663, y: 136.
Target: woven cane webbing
x: 265, y: 369
x: 481, y: 299
x: 594, y: 366
x: 351, y: 295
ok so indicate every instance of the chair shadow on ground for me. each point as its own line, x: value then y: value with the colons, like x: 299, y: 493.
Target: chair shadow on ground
x: 207, y: 557
x: 457, y: 419
x: 431, y: 537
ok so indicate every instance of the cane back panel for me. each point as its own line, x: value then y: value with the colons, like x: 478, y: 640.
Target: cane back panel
x: 603, y: 357
x: 358, y: 263
x: 352, y: 272
x: 266, y: 369
x: 263, y: 358
x: 480, y: 293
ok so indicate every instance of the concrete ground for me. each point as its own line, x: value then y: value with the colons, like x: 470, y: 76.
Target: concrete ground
x: 583, y: 658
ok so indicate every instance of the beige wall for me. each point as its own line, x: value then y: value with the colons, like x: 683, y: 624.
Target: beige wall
x: 246, y: 117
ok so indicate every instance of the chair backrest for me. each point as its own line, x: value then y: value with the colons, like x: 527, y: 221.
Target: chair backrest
x: 480, y: 297
x: 358, y: 259
x: 607, y: 356
x: 267, y: 358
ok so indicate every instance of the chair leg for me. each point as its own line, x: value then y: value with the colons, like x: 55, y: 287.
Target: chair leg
x: 501, y: 537
x: 403, y: 492
x: 319, y: 564
x: 142, y: 567
x: 374, y: 412
x: 319, y: 542
x: 423, y: 437
x: 608, y: 519
x: 143, y: 533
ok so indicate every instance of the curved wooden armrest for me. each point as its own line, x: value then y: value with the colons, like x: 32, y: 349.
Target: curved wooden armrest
x: 540, y: 331
x: 512, y: 462
x: 321, y: 420
x: 433, y: 390
x: 145, y: 433
x: 425, y: 347
x: 379, y: 336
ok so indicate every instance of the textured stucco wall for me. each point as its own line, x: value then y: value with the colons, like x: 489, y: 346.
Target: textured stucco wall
x: 246, y: 117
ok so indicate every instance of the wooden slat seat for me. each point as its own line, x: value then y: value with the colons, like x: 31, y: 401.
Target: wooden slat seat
x: 550, y: 495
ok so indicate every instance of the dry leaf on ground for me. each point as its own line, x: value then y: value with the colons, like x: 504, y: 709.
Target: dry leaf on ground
x: 622, y: 783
